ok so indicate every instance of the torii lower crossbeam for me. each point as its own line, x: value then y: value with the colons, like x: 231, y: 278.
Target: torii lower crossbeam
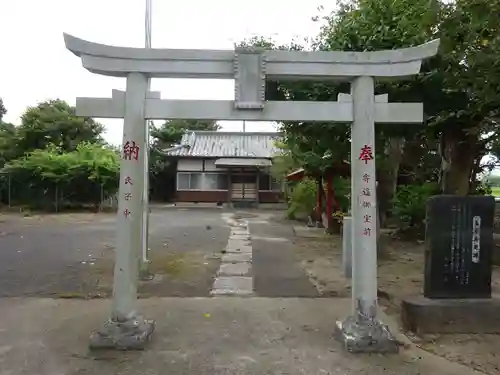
x: 341, y: 112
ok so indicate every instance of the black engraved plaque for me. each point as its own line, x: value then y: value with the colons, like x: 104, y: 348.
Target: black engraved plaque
x: 459, y: 246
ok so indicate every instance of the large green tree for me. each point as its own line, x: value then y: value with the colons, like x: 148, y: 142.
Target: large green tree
x: 55, y: 122
x: 370, y: 25
x: 55, y: 156
x: 458, y: 88
x: 3, y: 110
x: 470, y: 33
x: 7, y: 142
x: 7, y: 137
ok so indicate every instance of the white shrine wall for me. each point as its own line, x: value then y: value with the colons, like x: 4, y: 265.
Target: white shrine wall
x: 190, y: 165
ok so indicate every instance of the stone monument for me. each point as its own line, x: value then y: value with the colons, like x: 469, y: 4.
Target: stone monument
x: 459, y: 244
x: 249, y: 68
x: 458, y: 267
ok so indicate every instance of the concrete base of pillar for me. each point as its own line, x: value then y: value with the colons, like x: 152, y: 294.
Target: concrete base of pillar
x: 132, y: 334
x: 365, y: 336
x: 144, y: 271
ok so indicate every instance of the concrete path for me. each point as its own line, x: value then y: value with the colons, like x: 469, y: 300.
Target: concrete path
x: 235, y: 273
x: 197, y: 336
x: 276, y: 271
x: 258, y: 259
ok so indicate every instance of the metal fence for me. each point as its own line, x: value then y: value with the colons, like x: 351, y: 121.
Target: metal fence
x: 53, y: 197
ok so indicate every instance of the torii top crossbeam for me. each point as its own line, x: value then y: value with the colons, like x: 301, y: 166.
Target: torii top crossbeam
x: 220, y: 64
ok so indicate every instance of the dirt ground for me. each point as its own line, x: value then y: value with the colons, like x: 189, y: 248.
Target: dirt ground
x: 400, y: 274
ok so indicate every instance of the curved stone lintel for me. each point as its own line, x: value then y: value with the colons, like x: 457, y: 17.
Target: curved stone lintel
x: 82, y: 47
x: 394, y: 56
x: 301, y: 65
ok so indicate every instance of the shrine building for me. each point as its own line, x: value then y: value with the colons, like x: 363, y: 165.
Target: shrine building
x: 226, y: 167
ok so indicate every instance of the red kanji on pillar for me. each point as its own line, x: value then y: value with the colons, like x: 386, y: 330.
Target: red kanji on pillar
x: 366, y: 154
x: 130, y: 151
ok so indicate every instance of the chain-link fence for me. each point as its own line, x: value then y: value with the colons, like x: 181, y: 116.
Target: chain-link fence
x: 54, y: 196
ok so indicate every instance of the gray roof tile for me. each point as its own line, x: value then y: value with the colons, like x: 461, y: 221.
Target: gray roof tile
x: 227, y: 144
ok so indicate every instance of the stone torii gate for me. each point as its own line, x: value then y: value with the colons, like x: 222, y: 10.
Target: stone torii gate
x: 250, y: 69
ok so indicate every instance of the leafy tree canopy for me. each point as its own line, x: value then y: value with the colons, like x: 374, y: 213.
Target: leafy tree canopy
x: 3, y: 110
x: 55, y: 122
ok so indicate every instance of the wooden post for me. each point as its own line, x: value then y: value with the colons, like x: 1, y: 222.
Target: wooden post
x: 319, y: 202
x: 329, y: 202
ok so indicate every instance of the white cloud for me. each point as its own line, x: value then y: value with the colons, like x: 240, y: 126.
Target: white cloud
x: 35, y: 65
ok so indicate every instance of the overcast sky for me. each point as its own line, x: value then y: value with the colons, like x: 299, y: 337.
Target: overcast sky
x: 35, y: 66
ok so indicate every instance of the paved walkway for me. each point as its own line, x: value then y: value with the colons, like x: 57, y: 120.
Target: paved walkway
x: 258, y: 259
x: 277, y: 273
x: 197, y: 336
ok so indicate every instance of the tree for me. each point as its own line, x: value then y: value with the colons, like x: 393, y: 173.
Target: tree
x: 370, y: 25
x: 283, y: 162
x: 471, y: 50
x: 3, y: 110
x: 458, y: 88
x: 7, y: 142
x: 55, y: 122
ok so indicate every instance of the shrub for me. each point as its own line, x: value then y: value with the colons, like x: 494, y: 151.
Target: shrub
x: 302, y: 199
x: 409, y: 203
x: 342, y: 191
x: 46, y: 176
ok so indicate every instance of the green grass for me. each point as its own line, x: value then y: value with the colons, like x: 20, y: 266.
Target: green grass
x: 495, y: 191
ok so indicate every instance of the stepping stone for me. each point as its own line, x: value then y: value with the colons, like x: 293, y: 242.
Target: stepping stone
x: 236, y: 258
x: 241, y: 237
x: 238, y: 285
x: 237, y: 244
x: 239, y: 232
x: 234, y: 269
x: 239, y: 249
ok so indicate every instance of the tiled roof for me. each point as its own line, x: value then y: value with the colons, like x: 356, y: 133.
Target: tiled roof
x: 227, y: 144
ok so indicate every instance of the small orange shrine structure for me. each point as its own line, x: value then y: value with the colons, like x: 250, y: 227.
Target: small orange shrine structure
x: 342, y: 169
